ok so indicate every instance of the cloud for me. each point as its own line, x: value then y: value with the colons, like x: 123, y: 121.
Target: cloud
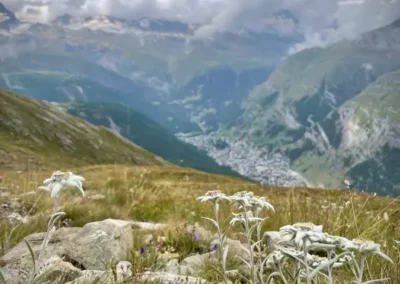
x: 319, y: 21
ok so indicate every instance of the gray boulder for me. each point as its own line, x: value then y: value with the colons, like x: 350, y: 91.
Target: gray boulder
x: 91, y: 247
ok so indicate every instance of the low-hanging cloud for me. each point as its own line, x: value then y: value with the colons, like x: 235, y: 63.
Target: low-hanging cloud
x: 320, y: 22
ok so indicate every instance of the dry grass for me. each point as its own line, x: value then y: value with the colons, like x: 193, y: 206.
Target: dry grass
x: 168, y: 195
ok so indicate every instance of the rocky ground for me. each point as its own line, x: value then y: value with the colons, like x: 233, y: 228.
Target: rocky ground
x: 85, y: 255
x: 255, y: 163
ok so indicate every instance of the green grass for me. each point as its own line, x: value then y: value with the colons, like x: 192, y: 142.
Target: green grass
x: 316, y: 168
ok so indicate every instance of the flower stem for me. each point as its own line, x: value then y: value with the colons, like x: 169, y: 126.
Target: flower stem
x: 362, y: 267
x: 221, y: 241
x: 248, y: 236
x: 330, y: 280
x: 305, y: 252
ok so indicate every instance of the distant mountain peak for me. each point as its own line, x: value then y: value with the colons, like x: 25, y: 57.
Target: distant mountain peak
x: 7, y: 18
x: 396, y: 23
x: 2, y: 8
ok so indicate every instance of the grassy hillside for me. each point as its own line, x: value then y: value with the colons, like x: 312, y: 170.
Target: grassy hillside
x: 147, y: 134
x: 168, y: 195
x: 380, y: 98
x: 34, y: 134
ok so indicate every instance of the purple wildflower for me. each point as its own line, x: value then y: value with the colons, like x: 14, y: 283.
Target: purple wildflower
x: 142, y: 251
x: 196, y: 237
x: 213, y: 247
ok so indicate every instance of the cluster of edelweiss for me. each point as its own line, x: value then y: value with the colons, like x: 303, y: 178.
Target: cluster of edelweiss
x: 312, y: 253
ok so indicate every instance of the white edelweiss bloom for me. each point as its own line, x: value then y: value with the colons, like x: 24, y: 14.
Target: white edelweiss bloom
x: 60, y: 180
x: 295, y: 253
x: 241, y: 218
x: 289, y: 228
x: 315, y: 237
x: 350, y: 245
x: 243, y: 198
x: 261, y: 202
x: 288, y: 232
x: 369, y: 247
x: 299, y: 239
x: 309, y: 227
x: 305, y: 234
x: 340, y: 242
x: 213, y: 196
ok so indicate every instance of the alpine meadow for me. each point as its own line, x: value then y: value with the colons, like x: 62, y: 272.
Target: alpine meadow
x: 199, y: 141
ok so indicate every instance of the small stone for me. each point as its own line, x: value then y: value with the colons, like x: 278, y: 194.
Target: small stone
x: 148, y: 239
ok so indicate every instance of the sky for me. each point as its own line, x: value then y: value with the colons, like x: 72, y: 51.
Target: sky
x: 321, y: 22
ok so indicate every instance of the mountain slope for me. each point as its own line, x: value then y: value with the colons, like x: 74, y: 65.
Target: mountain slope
x: 370, y: 132
x: 331, y: 111
x: 63, y: 77
x: 310, y: 105
x: 35, y: 135
x: 147, y: 134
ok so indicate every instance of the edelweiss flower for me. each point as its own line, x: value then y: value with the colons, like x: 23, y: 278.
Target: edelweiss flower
x: 293, y: 253
x: 242, y: 218
x: 304, y: 234
x: 213, y: 196
x: 243, y: 198
x: 60, y: 180
x: 261, y: 202
x: 316, y: 261
x: 309, y: 227
x: 367, y: 247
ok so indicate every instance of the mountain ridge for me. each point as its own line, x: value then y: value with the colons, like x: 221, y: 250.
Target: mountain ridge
x: 35, y: 135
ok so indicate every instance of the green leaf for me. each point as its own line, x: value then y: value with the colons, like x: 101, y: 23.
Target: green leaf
x: 272, y: 275
x: 326, y: 264
x: 244, y: 261
x: 225, y: 255
x: 32, y: 255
